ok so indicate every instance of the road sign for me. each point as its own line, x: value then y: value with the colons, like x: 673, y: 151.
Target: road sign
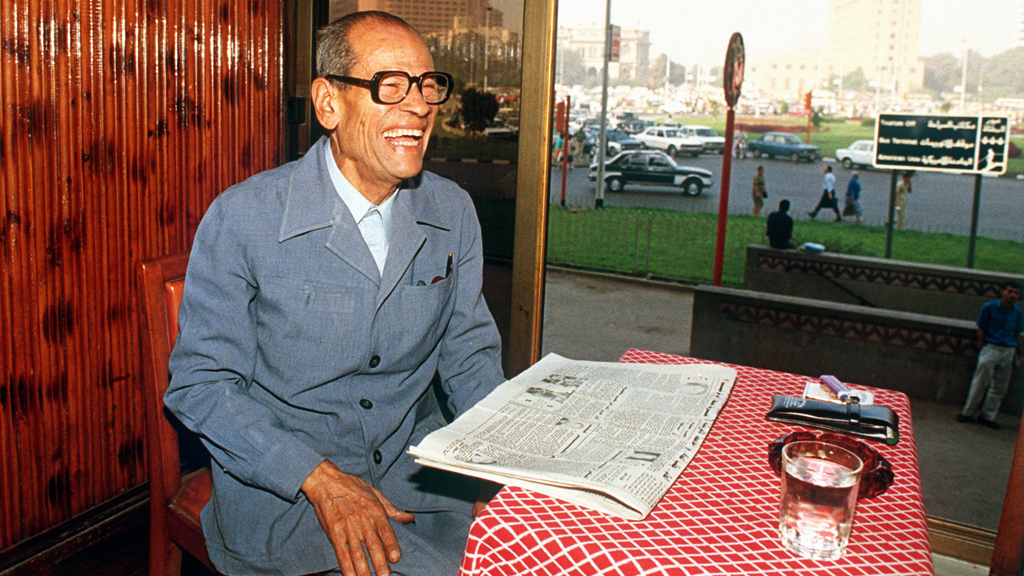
x: 616, y: 43
x: 734, y: 68
x: 962, y: 144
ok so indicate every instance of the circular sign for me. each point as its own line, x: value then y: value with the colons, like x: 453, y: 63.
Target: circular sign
x: 733, y: 73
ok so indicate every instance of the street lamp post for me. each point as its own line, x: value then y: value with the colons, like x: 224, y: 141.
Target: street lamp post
x: 963, y: 81
x: 487, y: 42
x: 602, y: 135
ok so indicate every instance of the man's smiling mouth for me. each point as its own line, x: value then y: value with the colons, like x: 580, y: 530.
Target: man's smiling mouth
x: 404, y: 137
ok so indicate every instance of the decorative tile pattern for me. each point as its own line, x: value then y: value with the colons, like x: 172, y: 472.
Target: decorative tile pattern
x: 849, y: 329
x: 918, y: 281
x: 719, y: 518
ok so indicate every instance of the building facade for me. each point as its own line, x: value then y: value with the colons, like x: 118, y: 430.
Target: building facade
x: 428, y: 17
x: 634, y: 63
x: 879, y: 37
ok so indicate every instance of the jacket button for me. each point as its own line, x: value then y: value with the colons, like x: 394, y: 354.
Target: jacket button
x: 366, y: 403
x: 377, y: 457
x: 374, y: 361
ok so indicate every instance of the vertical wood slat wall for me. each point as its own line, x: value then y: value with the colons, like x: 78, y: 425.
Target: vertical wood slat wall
x: 120, y: 121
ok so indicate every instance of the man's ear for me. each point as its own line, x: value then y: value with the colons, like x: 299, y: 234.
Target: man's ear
x: 322, y: 93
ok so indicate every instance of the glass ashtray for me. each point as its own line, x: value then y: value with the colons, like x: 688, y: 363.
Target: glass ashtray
x: 874, y: 480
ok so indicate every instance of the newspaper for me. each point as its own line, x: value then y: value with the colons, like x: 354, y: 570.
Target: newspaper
x: 607, y: 436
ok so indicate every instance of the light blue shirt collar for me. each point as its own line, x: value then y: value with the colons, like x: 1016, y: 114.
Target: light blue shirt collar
x: 356, y: 203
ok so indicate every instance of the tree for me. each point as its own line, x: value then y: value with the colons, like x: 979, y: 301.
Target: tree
x: 569, y: 68
x: 676, y: 72
x: 855, y: 80
x: 478, y: 108
x: 1003, y: 74
x: 942, y: 72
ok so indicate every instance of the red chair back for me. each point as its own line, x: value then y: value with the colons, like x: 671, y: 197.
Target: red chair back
x: 175, y: 501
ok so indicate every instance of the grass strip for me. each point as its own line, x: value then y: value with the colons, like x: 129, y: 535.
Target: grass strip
x: 680, y: 246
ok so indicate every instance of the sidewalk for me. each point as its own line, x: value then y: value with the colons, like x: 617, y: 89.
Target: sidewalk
x: 964, y: 467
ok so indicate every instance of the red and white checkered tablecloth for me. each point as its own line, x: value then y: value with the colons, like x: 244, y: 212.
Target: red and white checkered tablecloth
x: 720, y: 517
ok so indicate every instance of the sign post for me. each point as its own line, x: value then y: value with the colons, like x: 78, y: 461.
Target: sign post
x: 602, y: 138
x: 959, y: 144
x: 564, y: 129
x: 733, y: 82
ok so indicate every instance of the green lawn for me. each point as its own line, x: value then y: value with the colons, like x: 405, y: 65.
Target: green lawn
x: 681, y: 246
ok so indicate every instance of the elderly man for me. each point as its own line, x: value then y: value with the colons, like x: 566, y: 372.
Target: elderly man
x: 321, y: 299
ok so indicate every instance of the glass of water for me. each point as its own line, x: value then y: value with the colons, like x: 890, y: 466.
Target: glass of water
x: 819, y: 496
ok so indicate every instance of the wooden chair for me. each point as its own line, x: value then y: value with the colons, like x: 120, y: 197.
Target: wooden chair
x: 175, y: 501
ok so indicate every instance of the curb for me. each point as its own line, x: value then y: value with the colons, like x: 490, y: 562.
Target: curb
x: 472, y: 161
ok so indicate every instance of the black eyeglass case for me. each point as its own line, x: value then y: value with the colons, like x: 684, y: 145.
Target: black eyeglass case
x: 872, y: 421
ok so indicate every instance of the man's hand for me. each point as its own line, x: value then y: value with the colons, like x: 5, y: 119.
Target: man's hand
x: 487, y: 491
x: 355, y: 514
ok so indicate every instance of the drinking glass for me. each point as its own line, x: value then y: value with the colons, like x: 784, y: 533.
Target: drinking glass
x: 819, y: 497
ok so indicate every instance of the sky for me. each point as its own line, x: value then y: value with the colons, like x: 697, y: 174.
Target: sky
x: 698, y: 31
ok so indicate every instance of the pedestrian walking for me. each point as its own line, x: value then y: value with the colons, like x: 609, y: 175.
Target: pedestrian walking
x: 1001, y: 340
x: 739, y: 144
x: 759, y: 191
x: 556, y: 152
x: 828, y: 196
x: 902, y: 191
x: 852, y: 207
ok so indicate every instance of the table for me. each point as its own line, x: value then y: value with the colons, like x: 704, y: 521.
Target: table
x: 720, y: 516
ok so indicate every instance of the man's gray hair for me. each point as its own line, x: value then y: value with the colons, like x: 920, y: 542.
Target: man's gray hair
x: 335, y: 53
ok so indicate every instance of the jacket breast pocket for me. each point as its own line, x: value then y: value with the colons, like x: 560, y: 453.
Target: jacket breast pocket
x: 418, y: 316
x: 296, y: 314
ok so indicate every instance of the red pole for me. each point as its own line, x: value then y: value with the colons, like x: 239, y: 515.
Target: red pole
x: 723, y: 198
x: 565, y: 148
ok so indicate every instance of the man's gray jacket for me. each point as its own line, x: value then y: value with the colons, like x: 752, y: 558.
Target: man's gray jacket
x: 292, y: 350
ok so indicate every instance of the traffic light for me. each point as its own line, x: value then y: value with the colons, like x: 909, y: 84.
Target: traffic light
x: 807, y: 101
x: 560, y: 124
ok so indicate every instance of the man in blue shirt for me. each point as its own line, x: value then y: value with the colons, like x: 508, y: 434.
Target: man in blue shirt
x: 1000, y: 328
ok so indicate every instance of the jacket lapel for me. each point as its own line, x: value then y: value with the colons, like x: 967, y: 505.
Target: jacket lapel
x: 406, y: 241
x: 415, y: 208
x: 312, y: 203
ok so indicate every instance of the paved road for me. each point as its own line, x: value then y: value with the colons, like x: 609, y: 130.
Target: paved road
x: 939, y: 202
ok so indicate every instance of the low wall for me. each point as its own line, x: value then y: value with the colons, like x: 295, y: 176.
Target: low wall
x: 873, y: 282
x: 925, y: 357
x: 483, y: 179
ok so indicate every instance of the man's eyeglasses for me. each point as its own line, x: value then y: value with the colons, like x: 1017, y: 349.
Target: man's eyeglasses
x: 392, y: 86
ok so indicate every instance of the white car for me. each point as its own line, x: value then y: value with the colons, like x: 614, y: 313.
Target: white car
x: 860, y: 153
x: 712, y: 141
x: 669, y: 141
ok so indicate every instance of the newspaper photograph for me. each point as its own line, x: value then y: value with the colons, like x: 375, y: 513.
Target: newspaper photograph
x: 608, y: 436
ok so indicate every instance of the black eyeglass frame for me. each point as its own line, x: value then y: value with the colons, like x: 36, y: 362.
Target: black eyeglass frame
x: 373, y: 84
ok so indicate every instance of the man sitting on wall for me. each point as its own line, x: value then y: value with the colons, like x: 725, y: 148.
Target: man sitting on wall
x: 321, y: 299
x: 780, y: 228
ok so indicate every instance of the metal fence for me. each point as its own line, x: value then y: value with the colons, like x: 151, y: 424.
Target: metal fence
x: 653, y: 244
x: 680, y: 246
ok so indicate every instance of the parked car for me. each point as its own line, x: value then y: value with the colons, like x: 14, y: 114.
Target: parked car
x: 619, y: 141
x: 499, y: 130
x: 651, y: 167
x: 783, y: 145
x: 633, y: 126
x: 860, y: 153
x: 670, y: 141
x: 712, y: 141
